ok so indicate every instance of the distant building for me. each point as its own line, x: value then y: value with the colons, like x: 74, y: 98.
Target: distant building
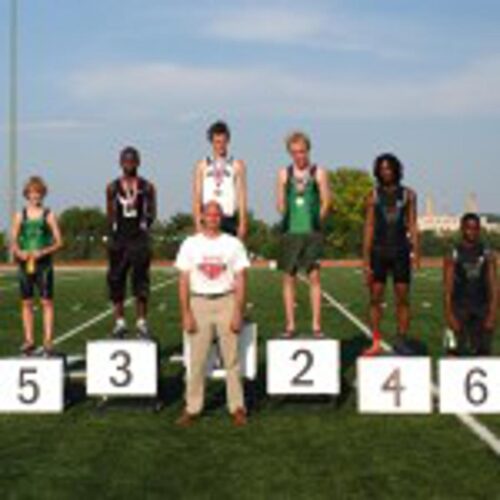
x: 430, y: 220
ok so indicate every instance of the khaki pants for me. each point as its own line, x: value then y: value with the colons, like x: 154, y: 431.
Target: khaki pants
x: 213, y: 315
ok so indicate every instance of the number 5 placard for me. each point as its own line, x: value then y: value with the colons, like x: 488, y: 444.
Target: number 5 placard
x: 122, y: 368
x: 394, y: 385
x: 469, y: 385
x: 31, y: 385
x: 303, y: 366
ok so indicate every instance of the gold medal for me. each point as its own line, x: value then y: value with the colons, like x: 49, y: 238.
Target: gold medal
x: 299, y: 201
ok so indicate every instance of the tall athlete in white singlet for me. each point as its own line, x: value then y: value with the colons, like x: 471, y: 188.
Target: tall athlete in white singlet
x: 221, y: 178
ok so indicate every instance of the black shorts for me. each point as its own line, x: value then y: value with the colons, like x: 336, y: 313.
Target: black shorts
x: 42, y: 280
x: 229, y: 225
x: 129, y: 257
x: 394, y: 262
x: 300, y: 251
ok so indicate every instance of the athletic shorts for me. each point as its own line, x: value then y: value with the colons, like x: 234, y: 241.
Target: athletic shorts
x: 300, y: 251
x: 129, y: 257
x: 396, y: 263
x: 229, y: 225
x: 473, y: 338
x: 41, y: 281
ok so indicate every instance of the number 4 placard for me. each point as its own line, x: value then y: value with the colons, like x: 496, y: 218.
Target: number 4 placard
x: 469, y: 385
x: 31, y: 385
x: 122, y: 368
x: 394, y: 385
x: 303, y: 366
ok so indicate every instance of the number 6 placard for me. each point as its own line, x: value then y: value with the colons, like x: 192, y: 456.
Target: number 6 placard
x: 303, y: 366
x: 469, y: 385
x: 122, y: 368
x: 31, y: 385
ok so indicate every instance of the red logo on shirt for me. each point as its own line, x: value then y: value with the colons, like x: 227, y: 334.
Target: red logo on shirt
x: 212, y: 268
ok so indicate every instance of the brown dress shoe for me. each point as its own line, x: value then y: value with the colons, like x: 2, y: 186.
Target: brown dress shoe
x: 186, y: 419
x: 239, y: 417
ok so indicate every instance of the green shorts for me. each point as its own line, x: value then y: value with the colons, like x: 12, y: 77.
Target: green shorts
x: 300, y: 251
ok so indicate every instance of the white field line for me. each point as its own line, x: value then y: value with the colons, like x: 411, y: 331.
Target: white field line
x: 102, y: 315
x: 479, y: 429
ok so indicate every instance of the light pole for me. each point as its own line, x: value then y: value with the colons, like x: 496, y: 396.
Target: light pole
x: 13, y: 144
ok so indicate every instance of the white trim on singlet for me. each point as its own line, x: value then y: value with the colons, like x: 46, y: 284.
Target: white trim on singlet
x: 220, y: 189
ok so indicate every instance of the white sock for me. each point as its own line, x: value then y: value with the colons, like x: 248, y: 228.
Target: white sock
x: 120, y: 323
x: 141, y: 323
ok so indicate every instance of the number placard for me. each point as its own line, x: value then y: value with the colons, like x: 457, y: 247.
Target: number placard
x: 394, y: 385
x: 31, y: 385
x: 469, y: 385
x: 247, y: 350
x: 303, y: 366
x: 122, y: 368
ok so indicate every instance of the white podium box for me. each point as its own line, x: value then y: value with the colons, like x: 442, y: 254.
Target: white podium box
x: 122, y: 368
x: 31, y: 385
x: 469, y: 385
x: 394, y: 385
x: 303, y: 367
x: 247, y: 347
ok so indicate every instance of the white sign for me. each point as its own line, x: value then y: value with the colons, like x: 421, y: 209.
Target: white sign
x: 399, y: 385
x: 469, y: 385
x: 247, y: 348
x: 32, y: 385
x: 122, y: 368
x: 303, y: 366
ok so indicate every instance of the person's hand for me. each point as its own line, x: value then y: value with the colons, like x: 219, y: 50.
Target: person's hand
x: 36, y: 255
x: 453, y: 323
x: 368, y: 274
x: 189, y: 323
x: 236, y: 322
x: 22, y: 256
x: 242, y: 231
x: 489, y: 323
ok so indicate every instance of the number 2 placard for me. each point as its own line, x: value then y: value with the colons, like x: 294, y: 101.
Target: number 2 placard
x: 299, y: 366
x: 31, y: 385
x: 469, y: 385
x: 122, y: 368
x: 394, y: 385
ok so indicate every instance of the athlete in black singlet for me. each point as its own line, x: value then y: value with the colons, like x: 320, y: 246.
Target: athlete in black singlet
x: 471, y: 293
x: 131, y: 210
x: 390, y: 247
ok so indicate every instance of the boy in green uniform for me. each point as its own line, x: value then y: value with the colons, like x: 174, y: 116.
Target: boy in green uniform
x: 35, y: 238
x: 304, y: 201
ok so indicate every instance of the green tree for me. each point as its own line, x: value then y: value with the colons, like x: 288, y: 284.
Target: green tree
x: 344, y: 228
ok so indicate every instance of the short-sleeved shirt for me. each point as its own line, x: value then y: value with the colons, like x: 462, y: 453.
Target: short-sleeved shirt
x: 212, y: 263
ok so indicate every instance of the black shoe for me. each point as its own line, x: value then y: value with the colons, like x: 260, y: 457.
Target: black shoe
x: 402, y: 346
x: 143, y: 332
x: 119, y: 332
x: 27, y: 349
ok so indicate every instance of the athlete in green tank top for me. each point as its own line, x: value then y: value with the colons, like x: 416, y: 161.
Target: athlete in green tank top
x: 35, y: 238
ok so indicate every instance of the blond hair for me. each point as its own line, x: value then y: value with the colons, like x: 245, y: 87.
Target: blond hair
x: 297, y: 136
x: 37, y: 184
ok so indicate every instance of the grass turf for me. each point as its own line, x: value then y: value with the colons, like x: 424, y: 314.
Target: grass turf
x: 297, y: 448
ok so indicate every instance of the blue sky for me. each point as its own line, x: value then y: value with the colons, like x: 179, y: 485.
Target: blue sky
x: 421, y: 79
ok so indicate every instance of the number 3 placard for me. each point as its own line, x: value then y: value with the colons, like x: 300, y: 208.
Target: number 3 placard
x: 122, y: 368
x: 469, y: 385
x: 394, y: 385
x: 303, y: 366
x: 31, y: 385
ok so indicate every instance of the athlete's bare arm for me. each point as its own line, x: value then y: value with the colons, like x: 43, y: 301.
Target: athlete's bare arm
x: 493, y: 297
x: 448, y: 280
x: 14, y: 238
x: 324, y: 192
x: 198, y: 195
x: 57, y: 241
x: 154, y: 202
x: 413, y: 228
x: 242, y: 197
x: 188, y: 321
x: 280, y: 191
x: 368, y: 234
x: 109, y: 203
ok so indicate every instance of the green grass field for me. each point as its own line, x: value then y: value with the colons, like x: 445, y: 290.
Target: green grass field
x: 292, y: 448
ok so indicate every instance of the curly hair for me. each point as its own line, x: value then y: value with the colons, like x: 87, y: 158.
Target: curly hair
x: 394, y: 164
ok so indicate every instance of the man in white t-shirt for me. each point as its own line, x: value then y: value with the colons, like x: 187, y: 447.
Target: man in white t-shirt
x: 212, y: 287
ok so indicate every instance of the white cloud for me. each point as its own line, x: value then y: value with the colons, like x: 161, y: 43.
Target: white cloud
x: 148, y: 90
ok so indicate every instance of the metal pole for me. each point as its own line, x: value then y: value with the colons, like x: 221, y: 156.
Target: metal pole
x: 13, y: 126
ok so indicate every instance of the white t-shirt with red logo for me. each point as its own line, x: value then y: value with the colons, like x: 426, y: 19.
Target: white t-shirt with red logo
x: 212, y: 263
